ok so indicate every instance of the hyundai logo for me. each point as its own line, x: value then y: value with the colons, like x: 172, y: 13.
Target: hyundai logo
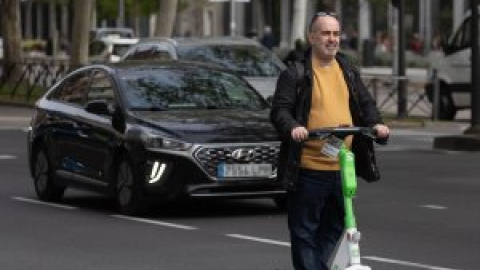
x: 242, y: 154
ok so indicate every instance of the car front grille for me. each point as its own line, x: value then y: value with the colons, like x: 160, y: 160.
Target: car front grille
x: 210, y: 157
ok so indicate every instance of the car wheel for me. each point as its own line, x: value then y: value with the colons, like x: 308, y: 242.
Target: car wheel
x: 45, y: 187
x: 127, y: 192
x: 281, y: 203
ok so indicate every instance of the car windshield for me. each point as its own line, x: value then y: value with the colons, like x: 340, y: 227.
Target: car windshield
x: 174, y: 88
x: 120, y: 49
x: 248, y: 61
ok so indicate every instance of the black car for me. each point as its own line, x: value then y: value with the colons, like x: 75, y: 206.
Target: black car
x: 152, y: 132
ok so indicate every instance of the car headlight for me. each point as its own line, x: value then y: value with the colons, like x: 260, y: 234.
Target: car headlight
x: 158, y: 142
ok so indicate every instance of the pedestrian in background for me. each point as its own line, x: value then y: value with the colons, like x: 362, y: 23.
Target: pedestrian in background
x: 437, y: 41
x: 328, y: 93
x: 268, y: 39
x: 415, y: 44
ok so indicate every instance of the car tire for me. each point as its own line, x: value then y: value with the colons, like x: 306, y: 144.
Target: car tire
x: 281, y: 203
x: 45, y: 187
x: 127, y: 191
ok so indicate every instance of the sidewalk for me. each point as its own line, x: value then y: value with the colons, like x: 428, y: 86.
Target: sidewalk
x: 15, y: 117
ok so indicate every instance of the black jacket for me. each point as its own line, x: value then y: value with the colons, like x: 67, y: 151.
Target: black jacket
x: 291, y: 107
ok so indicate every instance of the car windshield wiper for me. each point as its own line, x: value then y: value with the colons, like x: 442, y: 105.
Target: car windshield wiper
x: 151, y: 108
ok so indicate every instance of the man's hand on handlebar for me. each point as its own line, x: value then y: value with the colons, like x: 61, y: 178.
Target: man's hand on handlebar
x: 381, y: 131
x: 299, y: 134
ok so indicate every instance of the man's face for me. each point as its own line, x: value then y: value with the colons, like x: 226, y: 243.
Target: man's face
x: 324, y: 37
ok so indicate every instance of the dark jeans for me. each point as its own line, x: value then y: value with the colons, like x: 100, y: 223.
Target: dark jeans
x: 315, y: 218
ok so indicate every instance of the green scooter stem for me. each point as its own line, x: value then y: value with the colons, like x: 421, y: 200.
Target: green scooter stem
x: 349, y: 184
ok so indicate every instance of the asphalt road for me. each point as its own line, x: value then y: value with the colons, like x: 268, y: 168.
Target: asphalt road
x: 422, y: 215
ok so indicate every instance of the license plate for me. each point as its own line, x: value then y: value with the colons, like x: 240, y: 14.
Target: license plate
x: 244, y: 170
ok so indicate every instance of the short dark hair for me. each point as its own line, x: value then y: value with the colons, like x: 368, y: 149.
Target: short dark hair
x: 321, y: 14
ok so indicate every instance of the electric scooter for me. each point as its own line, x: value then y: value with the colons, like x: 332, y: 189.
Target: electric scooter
x: 346, y: 255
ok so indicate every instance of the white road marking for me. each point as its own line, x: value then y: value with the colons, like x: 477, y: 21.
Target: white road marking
x: 3, y: 157
x: 406, y: 263
x: 371, y: 258
x: 246, y: 237
x: 56, y: 205
x: 434, y: 207
x: 258, y: 239
x: 156, y: 222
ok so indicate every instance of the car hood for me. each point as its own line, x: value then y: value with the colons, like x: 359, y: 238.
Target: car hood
x: 209, y: 126
x: 264, y: 85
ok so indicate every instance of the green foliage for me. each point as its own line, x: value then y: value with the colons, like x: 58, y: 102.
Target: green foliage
x: 23, y: 94
x: 108, y: 9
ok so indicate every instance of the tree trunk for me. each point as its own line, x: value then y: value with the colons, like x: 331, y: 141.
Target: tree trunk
x: 299, y: 20
x: 11, y: 32
x: 28, y: 20
x: 81, y: 27
x: 259, y: 17
x: 167, y: 14
x: 136, y: 18
x: 52, y: 30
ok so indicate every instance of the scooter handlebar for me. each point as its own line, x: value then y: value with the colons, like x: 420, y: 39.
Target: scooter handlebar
x: 342, y: 132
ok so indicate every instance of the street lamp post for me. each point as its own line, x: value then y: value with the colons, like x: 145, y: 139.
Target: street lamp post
x: 475, y: 101
x: 402, y: 83
x: 233, y: 24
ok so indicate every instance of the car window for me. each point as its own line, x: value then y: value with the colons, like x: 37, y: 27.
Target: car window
x: 161, y: 53
x: 100, y: 33
x: 187, y: 88
x: 247, y: 60
x: 101, y: 88
x: 141, y: 52
x: 120, y: 49
x: 151, y: 52
x: 96, y: 48
x: 73, y: 89
x: 462, y: 37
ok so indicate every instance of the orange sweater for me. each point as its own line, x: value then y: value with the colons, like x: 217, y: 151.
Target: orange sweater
x: 330, y: 108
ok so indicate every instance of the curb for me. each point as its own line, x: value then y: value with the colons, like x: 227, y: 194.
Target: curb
x: 458, y: 143
x: 16, y: 104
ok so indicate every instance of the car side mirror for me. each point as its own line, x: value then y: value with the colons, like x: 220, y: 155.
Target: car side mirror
x: 98, y: 107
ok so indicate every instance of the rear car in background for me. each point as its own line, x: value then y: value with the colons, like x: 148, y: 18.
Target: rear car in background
x: 258, y: 65
x: 119, y: 32
x: 147, y: 132
x: 109, y: 49
x: 454, y: 72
